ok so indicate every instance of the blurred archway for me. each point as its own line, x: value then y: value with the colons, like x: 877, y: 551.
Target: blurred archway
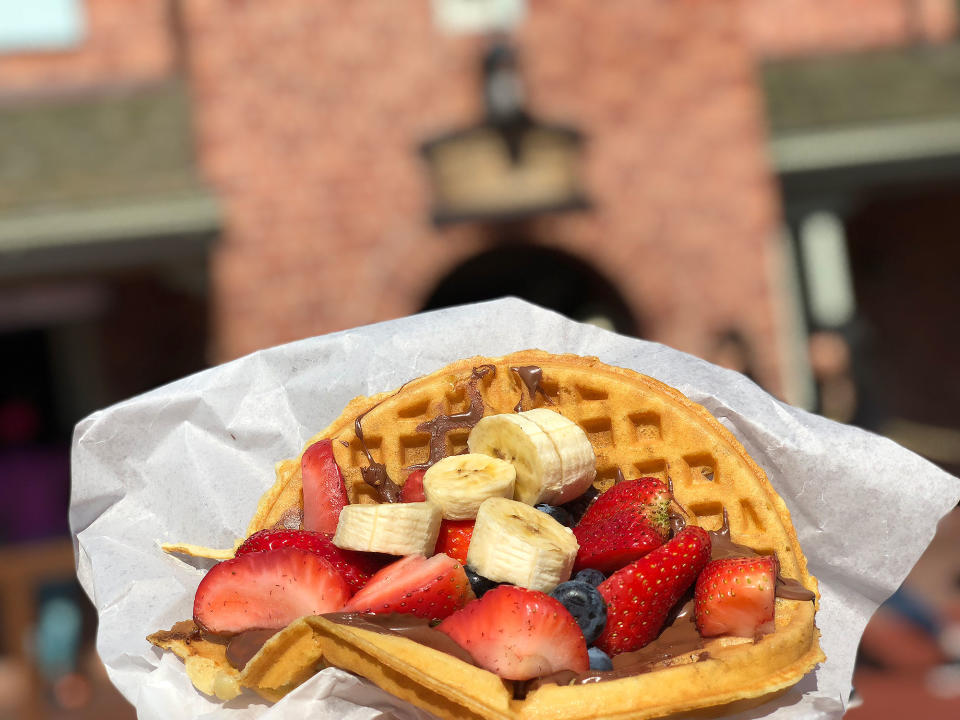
x: 550, y: 278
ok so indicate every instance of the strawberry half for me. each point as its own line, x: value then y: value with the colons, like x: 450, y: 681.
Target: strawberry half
x: 412, y: 490
x: 324, y: 492
x: 639, y: 597
x: 736, y: 596
x: 454, y: 539
x: 614, y: 543
x: 356, y: 567
x: 519, y: 634
x: 623, y: 524
x: 267, y: 590
x: 649, y: 494
x: 426, y: 587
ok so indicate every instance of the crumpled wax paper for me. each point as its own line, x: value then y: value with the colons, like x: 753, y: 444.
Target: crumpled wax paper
x: 187, y: 462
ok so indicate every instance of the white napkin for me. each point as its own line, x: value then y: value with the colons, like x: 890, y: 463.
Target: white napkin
x: 187, y: 462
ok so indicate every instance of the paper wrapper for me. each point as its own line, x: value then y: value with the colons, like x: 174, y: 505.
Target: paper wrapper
x: 187, y: 463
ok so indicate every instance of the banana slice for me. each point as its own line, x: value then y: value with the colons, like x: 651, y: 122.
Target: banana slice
x: 524, y: 444
x: 578, y: 463
x: 512, y: 542
x: 459, y: 483
x: 392, y: 528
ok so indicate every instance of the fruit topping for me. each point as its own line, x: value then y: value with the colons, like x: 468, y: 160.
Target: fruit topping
x: 639, y: 597
x: 586, y: 604
x: 578, y: 462
x: 412, y: 489
x: 454, y: 539
x: 519, y: 634
x: 557, y: 513
x: 324, y: 492
x: 580, y: 505
x: 591, y: 576
x: 267, y: 590
x: 599, y: 660
x: 478, y: 582
x: 648, y: 495
x: 426, y: 587
x: 553, y: 456
x: 356, y: 567
x: 516, y: 544
x: 624, y: 524
x: 735, y: 596
x: 392, y: 528
x: 459, y: 483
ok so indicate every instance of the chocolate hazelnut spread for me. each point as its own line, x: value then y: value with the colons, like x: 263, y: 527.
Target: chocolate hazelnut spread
x: 679, y: 637
x: 531, y: 376
x: 408, y: 626
x: 442, y: 424
x: 375, y: 474
x: 243, y: 646
x: 790, y: 589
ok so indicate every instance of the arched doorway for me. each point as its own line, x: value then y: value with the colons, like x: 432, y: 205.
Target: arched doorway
x: 550, y: 278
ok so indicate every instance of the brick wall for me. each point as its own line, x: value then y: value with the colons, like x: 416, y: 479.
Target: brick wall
x: 309, y: 115
x: 127, y: 42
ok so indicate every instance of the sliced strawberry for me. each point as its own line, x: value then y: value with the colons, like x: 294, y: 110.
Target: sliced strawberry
x: 324, y: 492
x: 519, y: 634
x: 267, y: 590
x: 647, y: 494
x: 624, y: 524
x: 735, y: 596
x: 412, y: 490
x: 426, y: 587
x: 614, y: 543
x: 640, y: 596
x: 356, y: 567
x: 454, y: 538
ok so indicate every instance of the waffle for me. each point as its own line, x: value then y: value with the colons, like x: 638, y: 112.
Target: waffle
x: 638, y: 427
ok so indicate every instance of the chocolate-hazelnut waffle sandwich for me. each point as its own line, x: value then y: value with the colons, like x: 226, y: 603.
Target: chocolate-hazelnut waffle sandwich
x: 530, y: 536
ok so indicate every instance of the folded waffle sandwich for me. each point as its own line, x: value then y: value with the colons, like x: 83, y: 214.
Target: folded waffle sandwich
x: 422, y: 520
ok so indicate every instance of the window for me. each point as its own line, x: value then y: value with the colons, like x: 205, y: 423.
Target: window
x: 31, y: 25
x: 478, y: 16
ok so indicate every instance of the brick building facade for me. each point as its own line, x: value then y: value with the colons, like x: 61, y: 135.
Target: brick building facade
x: 306, y: 119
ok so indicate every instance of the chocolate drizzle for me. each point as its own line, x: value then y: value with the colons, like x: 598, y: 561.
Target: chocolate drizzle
x: 243, y: 646
x: 790, y: 589
x: 531, y: 376
x: 375, y: 474
x: 408, y: 626
x: 442, y: 424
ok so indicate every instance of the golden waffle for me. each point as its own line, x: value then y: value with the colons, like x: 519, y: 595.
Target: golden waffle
x: 638, y: 427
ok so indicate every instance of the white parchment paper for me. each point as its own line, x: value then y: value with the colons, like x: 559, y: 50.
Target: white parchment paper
x: 187, y: 462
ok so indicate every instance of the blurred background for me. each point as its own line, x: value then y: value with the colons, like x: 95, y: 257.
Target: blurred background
x: 773, y: 185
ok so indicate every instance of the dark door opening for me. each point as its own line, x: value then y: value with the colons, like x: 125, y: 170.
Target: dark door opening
x: 904, y: 257
x: 549, y: 278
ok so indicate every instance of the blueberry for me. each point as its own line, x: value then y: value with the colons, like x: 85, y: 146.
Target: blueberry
x: 578, y: 506
x: 557, y: 513
x: 586, y: 605
x: 478, y: 582
x: 590, y: 576
x: 599, y: 660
